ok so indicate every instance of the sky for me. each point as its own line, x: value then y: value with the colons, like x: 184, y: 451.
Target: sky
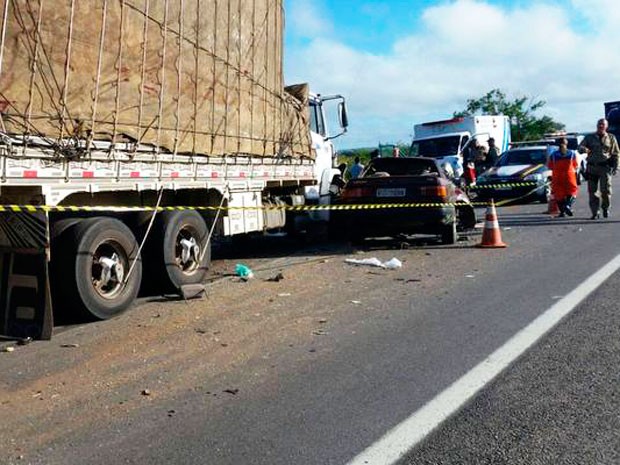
x: 404, y: 62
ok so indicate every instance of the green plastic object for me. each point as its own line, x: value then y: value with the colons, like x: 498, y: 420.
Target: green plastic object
x: 243, y: 271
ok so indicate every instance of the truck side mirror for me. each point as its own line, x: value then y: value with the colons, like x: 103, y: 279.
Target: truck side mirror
x: 343, y: 117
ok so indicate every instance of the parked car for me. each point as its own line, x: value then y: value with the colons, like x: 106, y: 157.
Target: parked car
x: 440, y: 206
x: 520, y: 174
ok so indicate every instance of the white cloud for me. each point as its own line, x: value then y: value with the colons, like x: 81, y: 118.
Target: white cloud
x: 603, y: 15
x: 307, y: 19
x: 464, y: 49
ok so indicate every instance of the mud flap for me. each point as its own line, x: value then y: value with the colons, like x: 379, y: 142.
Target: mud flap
x: 25, y: 298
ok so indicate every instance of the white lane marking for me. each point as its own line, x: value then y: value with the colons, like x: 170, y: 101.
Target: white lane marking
x: 402, y: 438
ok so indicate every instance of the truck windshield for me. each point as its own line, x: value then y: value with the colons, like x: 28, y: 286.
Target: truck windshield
x: 436, y: 148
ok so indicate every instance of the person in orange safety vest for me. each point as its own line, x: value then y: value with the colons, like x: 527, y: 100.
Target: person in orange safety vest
x: 563, y: 163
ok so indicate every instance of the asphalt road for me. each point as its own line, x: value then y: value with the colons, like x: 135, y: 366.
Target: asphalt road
x: 319, y: 367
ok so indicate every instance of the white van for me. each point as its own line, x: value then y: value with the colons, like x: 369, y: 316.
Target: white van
x: 446, y: 140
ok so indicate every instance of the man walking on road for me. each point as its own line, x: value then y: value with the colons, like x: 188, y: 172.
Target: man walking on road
x: 602, y: 149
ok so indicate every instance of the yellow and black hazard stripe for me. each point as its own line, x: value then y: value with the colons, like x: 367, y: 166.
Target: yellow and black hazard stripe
x: 295, y: 208
x: 292, y: 208
x: 498, y: 186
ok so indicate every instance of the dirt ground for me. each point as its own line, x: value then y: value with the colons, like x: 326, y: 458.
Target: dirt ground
x: 90, y: 373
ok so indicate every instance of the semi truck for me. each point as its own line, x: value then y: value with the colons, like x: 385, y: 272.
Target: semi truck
x: 132, y: 132
x: 446, y: 140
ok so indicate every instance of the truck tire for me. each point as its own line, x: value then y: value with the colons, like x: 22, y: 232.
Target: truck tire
x: 449, y: 235
x: 90, y: 265
x: 182, y: 236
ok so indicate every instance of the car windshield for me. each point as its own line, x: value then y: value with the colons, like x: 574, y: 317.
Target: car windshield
x: 523, y: 157
x: 400, y: 167
x: 436, y: 148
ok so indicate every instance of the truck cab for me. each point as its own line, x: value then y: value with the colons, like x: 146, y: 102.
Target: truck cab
x: 447, y: 140
x: 325, y: 163
x: 447, y: 149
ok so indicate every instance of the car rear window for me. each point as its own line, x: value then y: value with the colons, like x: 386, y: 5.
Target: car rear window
x: 401, y: 167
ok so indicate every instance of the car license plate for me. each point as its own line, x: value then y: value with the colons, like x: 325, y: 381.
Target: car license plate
x: 391, y: 192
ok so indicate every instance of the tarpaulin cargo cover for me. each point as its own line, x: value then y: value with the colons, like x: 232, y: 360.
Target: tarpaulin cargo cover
x: 188, y: 76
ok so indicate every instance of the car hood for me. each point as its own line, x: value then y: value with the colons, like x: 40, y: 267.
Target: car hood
x: 514, y: 171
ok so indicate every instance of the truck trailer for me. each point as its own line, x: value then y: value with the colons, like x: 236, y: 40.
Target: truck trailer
x: 134, y: 131
x: 446, y: 140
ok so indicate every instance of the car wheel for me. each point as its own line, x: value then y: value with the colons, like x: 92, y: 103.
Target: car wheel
x: 449, y: 235
x: 91, y: 265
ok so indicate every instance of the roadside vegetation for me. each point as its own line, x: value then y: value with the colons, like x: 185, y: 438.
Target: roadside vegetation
x: 525, y: 124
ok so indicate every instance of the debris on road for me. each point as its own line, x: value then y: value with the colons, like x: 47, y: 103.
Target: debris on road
x: 70, y: 346
x: 356, y: 302
x: 365, y: 261
x: 243, y: 271
x: 9, y: 349
x: 276, y: 279
x: 284, y: 294
x: 320, y: 332
x: 146, y: 392
x: 234, y: 392
x: 392, y: 264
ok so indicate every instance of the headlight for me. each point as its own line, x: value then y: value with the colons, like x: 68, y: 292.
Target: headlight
x: 537, y: 177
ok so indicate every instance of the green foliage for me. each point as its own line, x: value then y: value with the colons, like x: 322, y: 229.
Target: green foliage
x: 525, y: 125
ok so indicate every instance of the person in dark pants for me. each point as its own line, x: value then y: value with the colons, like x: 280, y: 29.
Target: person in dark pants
x: 602, y: 149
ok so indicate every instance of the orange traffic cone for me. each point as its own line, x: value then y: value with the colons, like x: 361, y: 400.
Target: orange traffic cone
x: 553, y: 208
x: 491, y: 235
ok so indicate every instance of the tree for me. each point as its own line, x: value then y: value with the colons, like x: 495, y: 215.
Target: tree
x: 525, y: 125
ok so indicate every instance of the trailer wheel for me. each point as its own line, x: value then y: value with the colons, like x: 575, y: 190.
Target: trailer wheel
x: 185, y: 254
x: 91, y: 266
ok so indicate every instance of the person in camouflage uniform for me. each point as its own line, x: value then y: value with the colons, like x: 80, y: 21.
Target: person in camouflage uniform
x: 602, y: 149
